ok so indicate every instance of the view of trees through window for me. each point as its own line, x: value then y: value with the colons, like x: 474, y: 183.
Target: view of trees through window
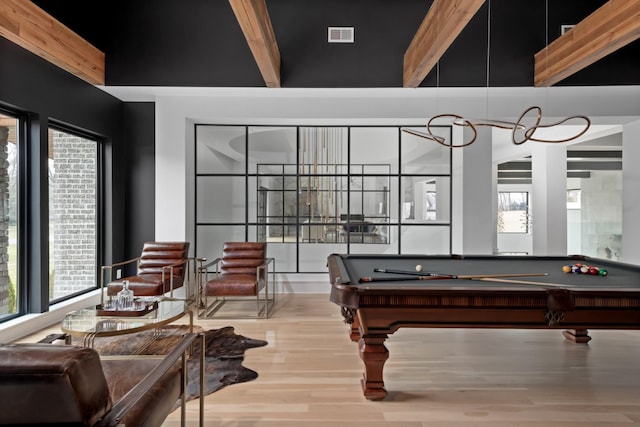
x: 513, y: 212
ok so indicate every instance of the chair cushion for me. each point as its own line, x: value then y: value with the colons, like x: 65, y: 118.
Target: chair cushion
x: 67, y: 382
x: 234, y: 285
x: 145, y: 284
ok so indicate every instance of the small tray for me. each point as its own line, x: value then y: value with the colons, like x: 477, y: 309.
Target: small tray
x: 141, y: 308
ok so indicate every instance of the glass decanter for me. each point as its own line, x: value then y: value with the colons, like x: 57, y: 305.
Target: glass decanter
x: 125, y: 297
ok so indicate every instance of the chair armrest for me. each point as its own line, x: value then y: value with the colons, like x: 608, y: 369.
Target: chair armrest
x: 175, y: 264
x: 198, y: 261
x: 110, y: 268
x: 51, y: 338
x: 205, y: 268
x: 121, y: 263
x: 170, y: 267
x: 266, y: 263
x: 131, y: 399
x: 264, y: 267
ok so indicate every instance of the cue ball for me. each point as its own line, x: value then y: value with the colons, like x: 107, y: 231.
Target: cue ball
x: 418, y: 267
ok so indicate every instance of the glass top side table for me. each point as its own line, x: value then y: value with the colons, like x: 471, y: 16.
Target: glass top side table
x: 87, y: 324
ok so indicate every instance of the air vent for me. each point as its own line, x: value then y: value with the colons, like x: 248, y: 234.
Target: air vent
x: 341, y: 34
x: 565, y: 28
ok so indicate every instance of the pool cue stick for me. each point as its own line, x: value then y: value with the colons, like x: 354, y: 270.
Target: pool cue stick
x: 407, y: 272
x: 522, y: 282
x: 447, y: 277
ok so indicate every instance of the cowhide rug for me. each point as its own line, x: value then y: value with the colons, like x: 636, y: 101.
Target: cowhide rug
x: 224, y: 354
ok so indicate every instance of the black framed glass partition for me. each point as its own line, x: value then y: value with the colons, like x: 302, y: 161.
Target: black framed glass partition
x: 314, y: 190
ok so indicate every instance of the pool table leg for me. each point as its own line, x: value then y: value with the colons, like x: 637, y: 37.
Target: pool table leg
x: 579, y: 336
x: 354, y: 334
x: 374, y: 354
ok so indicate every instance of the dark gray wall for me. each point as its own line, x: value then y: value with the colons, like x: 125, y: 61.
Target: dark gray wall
x: 45, y: 94
x: 199, y: 42
x: 139, y: 136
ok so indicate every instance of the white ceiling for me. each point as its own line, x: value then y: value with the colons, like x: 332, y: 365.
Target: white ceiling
x: 603, y: 104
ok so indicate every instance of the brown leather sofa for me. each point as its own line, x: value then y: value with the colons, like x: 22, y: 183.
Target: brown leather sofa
x: 160, y: 268
x: 63, y: 385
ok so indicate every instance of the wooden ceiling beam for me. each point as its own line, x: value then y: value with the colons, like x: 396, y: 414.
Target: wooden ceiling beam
x: 444, y: 21
x: 612, y: 26
x: 253, y: 17
x: 28, y: 26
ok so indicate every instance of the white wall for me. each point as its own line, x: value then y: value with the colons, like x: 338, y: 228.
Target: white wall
x: 177, y: 109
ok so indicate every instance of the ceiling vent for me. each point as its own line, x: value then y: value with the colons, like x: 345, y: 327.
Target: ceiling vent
x: 340, y: 34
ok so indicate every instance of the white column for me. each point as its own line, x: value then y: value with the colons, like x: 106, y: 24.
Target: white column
x: 443, y: 199
x: 174, y: 173
x: 631, y: 193
x: 549, y: 198
x: 419, y: 200
x: 473, y: 216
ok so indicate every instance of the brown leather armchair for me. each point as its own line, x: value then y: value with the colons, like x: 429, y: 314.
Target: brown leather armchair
x: 241, y: 273
x: 161, y: 268
x: 44, y: 384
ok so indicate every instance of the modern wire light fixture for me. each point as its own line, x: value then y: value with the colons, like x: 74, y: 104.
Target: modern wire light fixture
x: 520, y: 132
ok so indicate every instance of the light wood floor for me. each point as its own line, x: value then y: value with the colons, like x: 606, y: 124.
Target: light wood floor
x: 309, y: 375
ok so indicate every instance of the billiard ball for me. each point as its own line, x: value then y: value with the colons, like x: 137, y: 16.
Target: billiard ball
x: 584, y: 269
x: 418, y: 267
x: 603, y: 272
x: 566, y: 268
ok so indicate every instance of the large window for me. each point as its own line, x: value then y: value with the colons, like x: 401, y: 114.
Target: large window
x: 313, y: 190
x: 10, y: 290
x: 73, y: 213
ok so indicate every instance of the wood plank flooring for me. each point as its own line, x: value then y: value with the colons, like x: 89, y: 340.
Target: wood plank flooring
x: 309, y: 375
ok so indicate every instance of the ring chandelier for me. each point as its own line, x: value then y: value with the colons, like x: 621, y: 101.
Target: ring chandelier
x: 520, y: 133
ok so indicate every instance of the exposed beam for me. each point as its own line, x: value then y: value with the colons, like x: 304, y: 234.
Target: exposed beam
x: 440, y: 27
x: 254, y: 20
x: 30, y: 27
x: 613, y: 25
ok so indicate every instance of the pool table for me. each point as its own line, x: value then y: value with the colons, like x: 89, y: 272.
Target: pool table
x: 529, y: 292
